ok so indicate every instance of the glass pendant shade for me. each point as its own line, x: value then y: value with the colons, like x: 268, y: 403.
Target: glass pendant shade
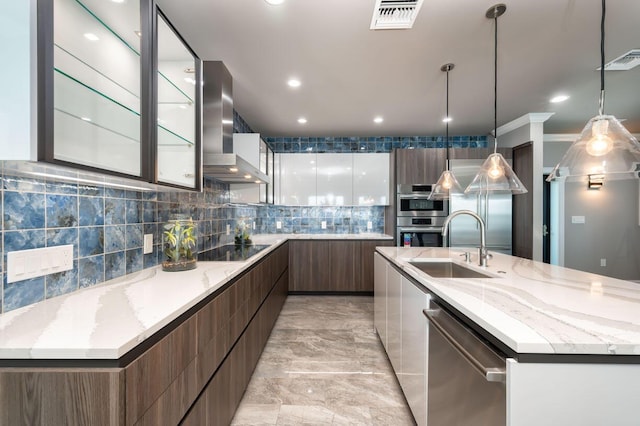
x: 446, y: 186
x: 496, y: 175
x: 604, y: 147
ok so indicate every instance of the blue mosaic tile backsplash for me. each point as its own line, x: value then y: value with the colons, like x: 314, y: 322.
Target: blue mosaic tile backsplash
x: 104, y: 225
x: 369, y: 144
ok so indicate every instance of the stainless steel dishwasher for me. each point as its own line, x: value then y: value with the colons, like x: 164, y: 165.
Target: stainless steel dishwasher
x: 466, y: 378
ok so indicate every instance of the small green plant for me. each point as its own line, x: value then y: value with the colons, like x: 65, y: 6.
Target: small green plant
x: 242, y: 236
x: 179, y: 244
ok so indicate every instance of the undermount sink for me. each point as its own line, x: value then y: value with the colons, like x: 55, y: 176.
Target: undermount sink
x: 447, y: 269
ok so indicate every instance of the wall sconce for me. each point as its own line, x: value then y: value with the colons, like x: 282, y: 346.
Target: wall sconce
x: 596, y: 181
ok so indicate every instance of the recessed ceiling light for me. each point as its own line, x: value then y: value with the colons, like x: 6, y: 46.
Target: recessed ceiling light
x: 85, y: 118
x: 233, y: 169
x: 294, y: 82
x: 91, y: 37
x: 559, y: 98
x: 118, y: 1
x: 447, y: 120
x: 378, y: 120
x: 302, y: 120
x: 247, y: 176
x: 138, y: 33
x: 190, y: 80
x: 274, y: 2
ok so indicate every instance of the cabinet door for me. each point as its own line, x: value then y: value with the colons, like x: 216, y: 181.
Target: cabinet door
x: 371, y: 179
x: 367, y: 250
x: 380, y: 298
x: 309, y: 267
x: 178, y: 106
x: 422, y: 165
x: 334, y: 185
x: 394, y: 319
x: 413, y: 379
x: 90, y: 104
x: 344, y: 264
x: 297, y: 179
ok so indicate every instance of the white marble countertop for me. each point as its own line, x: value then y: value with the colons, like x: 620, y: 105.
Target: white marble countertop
x: 534, y: 307
x: 108, y: 320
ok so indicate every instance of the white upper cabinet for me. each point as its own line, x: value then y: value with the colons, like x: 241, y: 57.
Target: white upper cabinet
x: 371, y: 179
x: 332, y: 179
x: 297, y: 185
x: 253, y: 149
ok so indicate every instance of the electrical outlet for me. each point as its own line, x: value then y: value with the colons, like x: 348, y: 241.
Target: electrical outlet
x: 253, y: 225
x: 323, y: 224
x: 278, y: 225
x: 369, y: 226
x: 148, y: 244
x: 577, y: 219
x: 25, y: 264
x: 603, y: 262
x: 228, y: 229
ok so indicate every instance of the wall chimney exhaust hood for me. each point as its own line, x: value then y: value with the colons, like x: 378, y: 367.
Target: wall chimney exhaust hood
x: 218, y: 158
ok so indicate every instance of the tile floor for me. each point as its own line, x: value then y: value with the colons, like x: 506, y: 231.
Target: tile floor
x: 324, y: 365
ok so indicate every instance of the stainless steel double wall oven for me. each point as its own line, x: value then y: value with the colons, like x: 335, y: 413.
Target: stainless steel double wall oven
x: 419, y: 220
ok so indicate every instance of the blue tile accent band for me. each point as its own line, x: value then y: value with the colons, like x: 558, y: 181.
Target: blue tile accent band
x: 338, y: 144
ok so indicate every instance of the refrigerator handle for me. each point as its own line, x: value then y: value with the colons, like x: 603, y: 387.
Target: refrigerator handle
x: 486, y: 210
x: 478, y: 210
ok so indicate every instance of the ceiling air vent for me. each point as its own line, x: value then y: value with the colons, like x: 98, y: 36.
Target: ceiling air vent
x: 396, y: 14
x: 629, y: 60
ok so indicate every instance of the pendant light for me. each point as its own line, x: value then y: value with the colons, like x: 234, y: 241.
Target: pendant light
x: 496, y: 175
x: 604, y: 147
x: 447, y: 184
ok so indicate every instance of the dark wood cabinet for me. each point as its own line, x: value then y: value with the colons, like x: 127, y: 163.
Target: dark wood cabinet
x: 367, y: 249
x: 332, y: 266
x: 420, y: 165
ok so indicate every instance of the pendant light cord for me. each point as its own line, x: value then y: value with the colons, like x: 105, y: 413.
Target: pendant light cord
x: 495, y: 86
x: 604, y: 12
x: 447, y: 122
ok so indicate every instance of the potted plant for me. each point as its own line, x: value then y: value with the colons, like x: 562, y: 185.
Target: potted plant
x: 179, y: 242
x: 242, y: 237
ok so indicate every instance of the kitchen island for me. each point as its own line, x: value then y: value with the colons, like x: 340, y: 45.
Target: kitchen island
x: 571, y: 339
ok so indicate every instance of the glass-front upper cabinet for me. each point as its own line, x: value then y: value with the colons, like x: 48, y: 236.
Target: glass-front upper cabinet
x: 95, y: 85
x: 178, y: 100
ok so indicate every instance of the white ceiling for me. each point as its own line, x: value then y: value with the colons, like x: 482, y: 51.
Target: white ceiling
x: 350, y: 74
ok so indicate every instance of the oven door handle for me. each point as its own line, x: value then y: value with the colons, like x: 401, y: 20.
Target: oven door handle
x: 420, y: 229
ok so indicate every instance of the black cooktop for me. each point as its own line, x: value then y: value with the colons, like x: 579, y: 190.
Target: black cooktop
x: 231, y: 252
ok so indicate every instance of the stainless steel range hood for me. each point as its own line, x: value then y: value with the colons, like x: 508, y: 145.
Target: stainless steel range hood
x: 218, y: 159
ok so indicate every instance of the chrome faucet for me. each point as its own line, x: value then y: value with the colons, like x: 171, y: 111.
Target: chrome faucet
x: 483, y: 254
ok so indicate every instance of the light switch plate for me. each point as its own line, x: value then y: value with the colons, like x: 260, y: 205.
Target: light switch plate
x: 278, y: 225
x: 369, y: 226
x: 577, y: 219
x: 323, y: 224
x: 148, y: 244
x: 25, y: 264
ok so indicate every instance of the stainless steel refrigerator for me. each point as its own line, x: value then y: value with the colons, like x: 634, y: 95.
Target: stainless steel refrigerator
x: 495, y: 209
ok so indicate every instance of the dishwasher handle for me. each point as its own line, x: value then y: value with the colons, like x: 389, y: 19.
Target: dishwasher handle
x: 491, y: 367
